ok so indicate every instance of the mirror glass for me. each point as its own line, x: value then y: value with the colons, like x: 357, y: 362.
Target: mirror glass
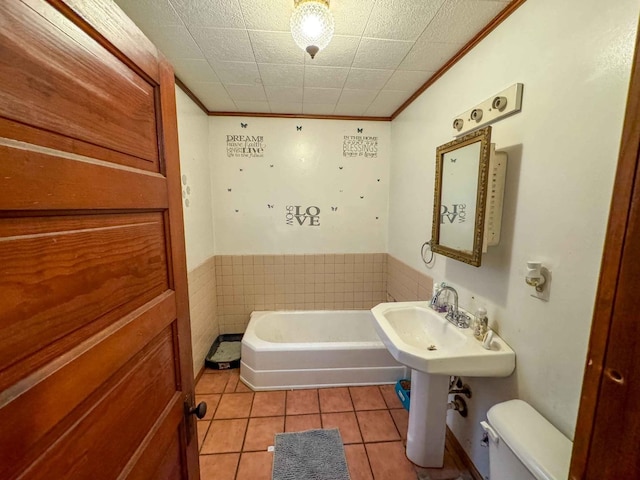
x: 462, y: 167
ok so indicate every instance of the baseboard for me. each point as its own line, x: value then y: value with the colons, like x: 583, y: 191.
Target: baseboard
x: 198, y: 375
x: 462, y: 455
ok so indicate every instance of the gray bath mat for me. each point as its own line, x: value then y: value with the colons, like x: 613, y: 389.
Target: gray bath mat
x: 310, y: 455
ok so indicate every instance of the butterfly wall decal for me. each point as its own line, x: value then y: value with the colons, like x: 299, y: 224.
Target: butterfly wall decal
x: 243, y: 125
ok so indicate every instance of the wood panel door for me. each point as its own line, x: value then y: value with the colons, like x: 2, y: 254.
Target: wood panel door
x: 95, y: 353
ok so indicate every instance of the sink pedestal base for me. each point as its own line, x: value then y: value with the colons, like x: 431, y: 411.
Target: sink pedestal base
x: 427, y: 419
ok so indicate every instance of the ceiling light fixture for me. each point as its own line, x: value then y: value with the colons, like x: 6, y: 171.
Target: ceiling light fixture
x: 312, y: 25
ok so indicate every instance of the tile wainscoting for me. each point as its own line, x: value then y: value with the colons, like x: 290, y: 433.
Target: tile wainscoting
x: 245, y: 283
x: 203, y: 309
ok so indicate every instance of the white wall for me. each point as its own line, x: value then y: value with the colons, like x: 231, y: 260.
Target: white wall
x: 193, y: 134
x: 193, y: 131
x: 260, y: 177
x: 574, y: 60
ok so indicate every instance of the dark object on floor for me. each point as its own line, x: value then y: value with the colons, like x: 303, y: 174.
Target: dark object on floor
x: 224, y: 352
x: 310, y: 455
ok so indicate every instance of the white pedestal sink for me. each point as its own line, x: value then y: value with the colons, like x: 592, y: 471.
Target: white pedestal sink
x: 434, y: 349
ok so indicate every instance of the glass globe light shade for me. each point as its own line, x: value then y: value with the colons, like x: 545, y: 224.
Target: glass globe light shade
x: 312, y: 25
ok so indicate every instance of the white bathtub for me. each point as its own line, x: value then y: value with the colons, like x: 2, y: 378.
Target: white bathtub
x: 307, y: 349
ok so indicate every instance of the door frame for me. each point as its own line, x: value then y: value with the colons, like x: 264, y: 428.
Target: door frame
x: 600, y: 370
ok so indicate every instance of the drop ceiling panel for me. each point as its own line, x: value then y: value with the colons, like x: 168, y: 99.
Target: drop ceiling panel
x: 193, y: 70
x: 207, y: 13
x: 340, y: 53
x: 401, y: 19
x: 223, y: 44
x: 322, y: 95
x: 428, y: 56
x: 281, y: 75
x: 379, y: 53
x: 332, y: 77
x: 284, y: 94
x: 407, y: 81
x: 273, y: 15
x: 237, y: 73
x: 275, y: 47
x: 239, y: 55
x: 367, y: 78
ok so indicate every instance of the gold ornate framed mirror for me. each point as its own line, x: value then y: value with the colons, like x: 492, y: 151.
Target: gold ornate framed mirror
x: 460, y: 199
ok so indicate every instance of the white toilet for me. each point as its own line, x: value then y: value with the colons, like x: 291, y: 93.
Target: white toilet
x: 523, y: 445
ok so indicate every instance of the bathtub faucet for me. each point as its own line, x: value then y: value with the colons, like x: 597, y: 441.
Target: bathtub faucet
x: 454, y: 315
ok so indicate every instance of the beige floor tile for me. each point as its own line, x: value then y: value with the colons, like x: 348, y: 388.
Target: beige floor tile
x: 242, y: 388
x: 261, y: 432
x: 357, y: 462
x: 300, y: 423
x: 232, y: 383
x: 367, y: 398
x: 234, y: 405
x: 335, y: 400
x: 401, y: 419
x: 219, y: 467
x: 377, y: 426
x: 268, y: 404
x: 212, y: 382
x: 347, y: 424
x: 225, y: 436
x: 389, y: 462
x: 202, y: 426
x: 255, y: 466
x: 390, y: 396
x: 302, y: 402
x: 212, y: 400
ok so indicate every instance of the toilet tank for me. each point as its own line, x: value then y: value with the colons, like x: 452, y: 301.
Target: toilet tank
x: 524, y: 445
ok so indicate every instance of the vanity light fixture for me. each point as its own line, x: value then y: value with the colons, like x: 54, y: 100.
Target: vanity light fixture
x: 536, y: 275
x: 312, y: 25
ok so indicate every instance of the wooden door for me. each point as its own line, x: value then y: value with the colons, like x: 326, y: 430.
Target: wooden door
x: 95, y: 354
x: 607, y: 438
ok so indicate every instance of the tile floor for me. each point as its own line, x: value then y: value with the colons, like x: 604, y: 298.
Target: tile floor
x: 240, y: 425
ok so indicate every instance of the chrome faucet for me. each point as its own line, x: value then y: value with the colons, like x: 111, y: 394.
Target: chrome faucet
x: 454, y: 315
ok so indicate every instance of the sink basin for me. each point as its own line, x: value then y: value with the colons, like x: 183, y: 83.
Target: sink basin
x: 434, y: 349
x: 424, y: 340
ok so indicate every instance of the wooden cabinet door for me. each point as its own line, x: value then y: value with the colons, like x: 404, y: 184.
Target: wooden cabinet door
x: 95, y: 353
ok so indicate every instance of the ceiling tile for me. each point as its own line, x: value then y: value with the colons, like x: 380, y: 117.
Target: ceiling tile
x: 281, y: 75
x: 284, y: 94
x: 339, y: 53
x: 349, y: 109
x: 223, y: 44
x: 321, y: 95
x: 239, y: 73
x: 407, y: 81
x: 351, y: 15
x: 150, y: 13
x: 174, y: 42
x: 246, y: 93
x: 256, y: 107
x: 318, y: 109
x: 267, y: 15
x: 429, y: 57
x: 401, y: 19
x: 275, y: 47
x: 327, y: 77
x: 459, y: 20
x: 370, y: 79
x: 295, y: 108
x: 221, y: 14
x: 214, y: 96
x: 383, y: 54
x: 358, y: 97
x: 194, y: 70
x: 386, y: 103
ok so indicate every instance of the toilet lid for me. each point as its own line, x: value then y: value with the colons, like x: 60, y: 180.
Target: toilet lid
x: 541, y: 447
